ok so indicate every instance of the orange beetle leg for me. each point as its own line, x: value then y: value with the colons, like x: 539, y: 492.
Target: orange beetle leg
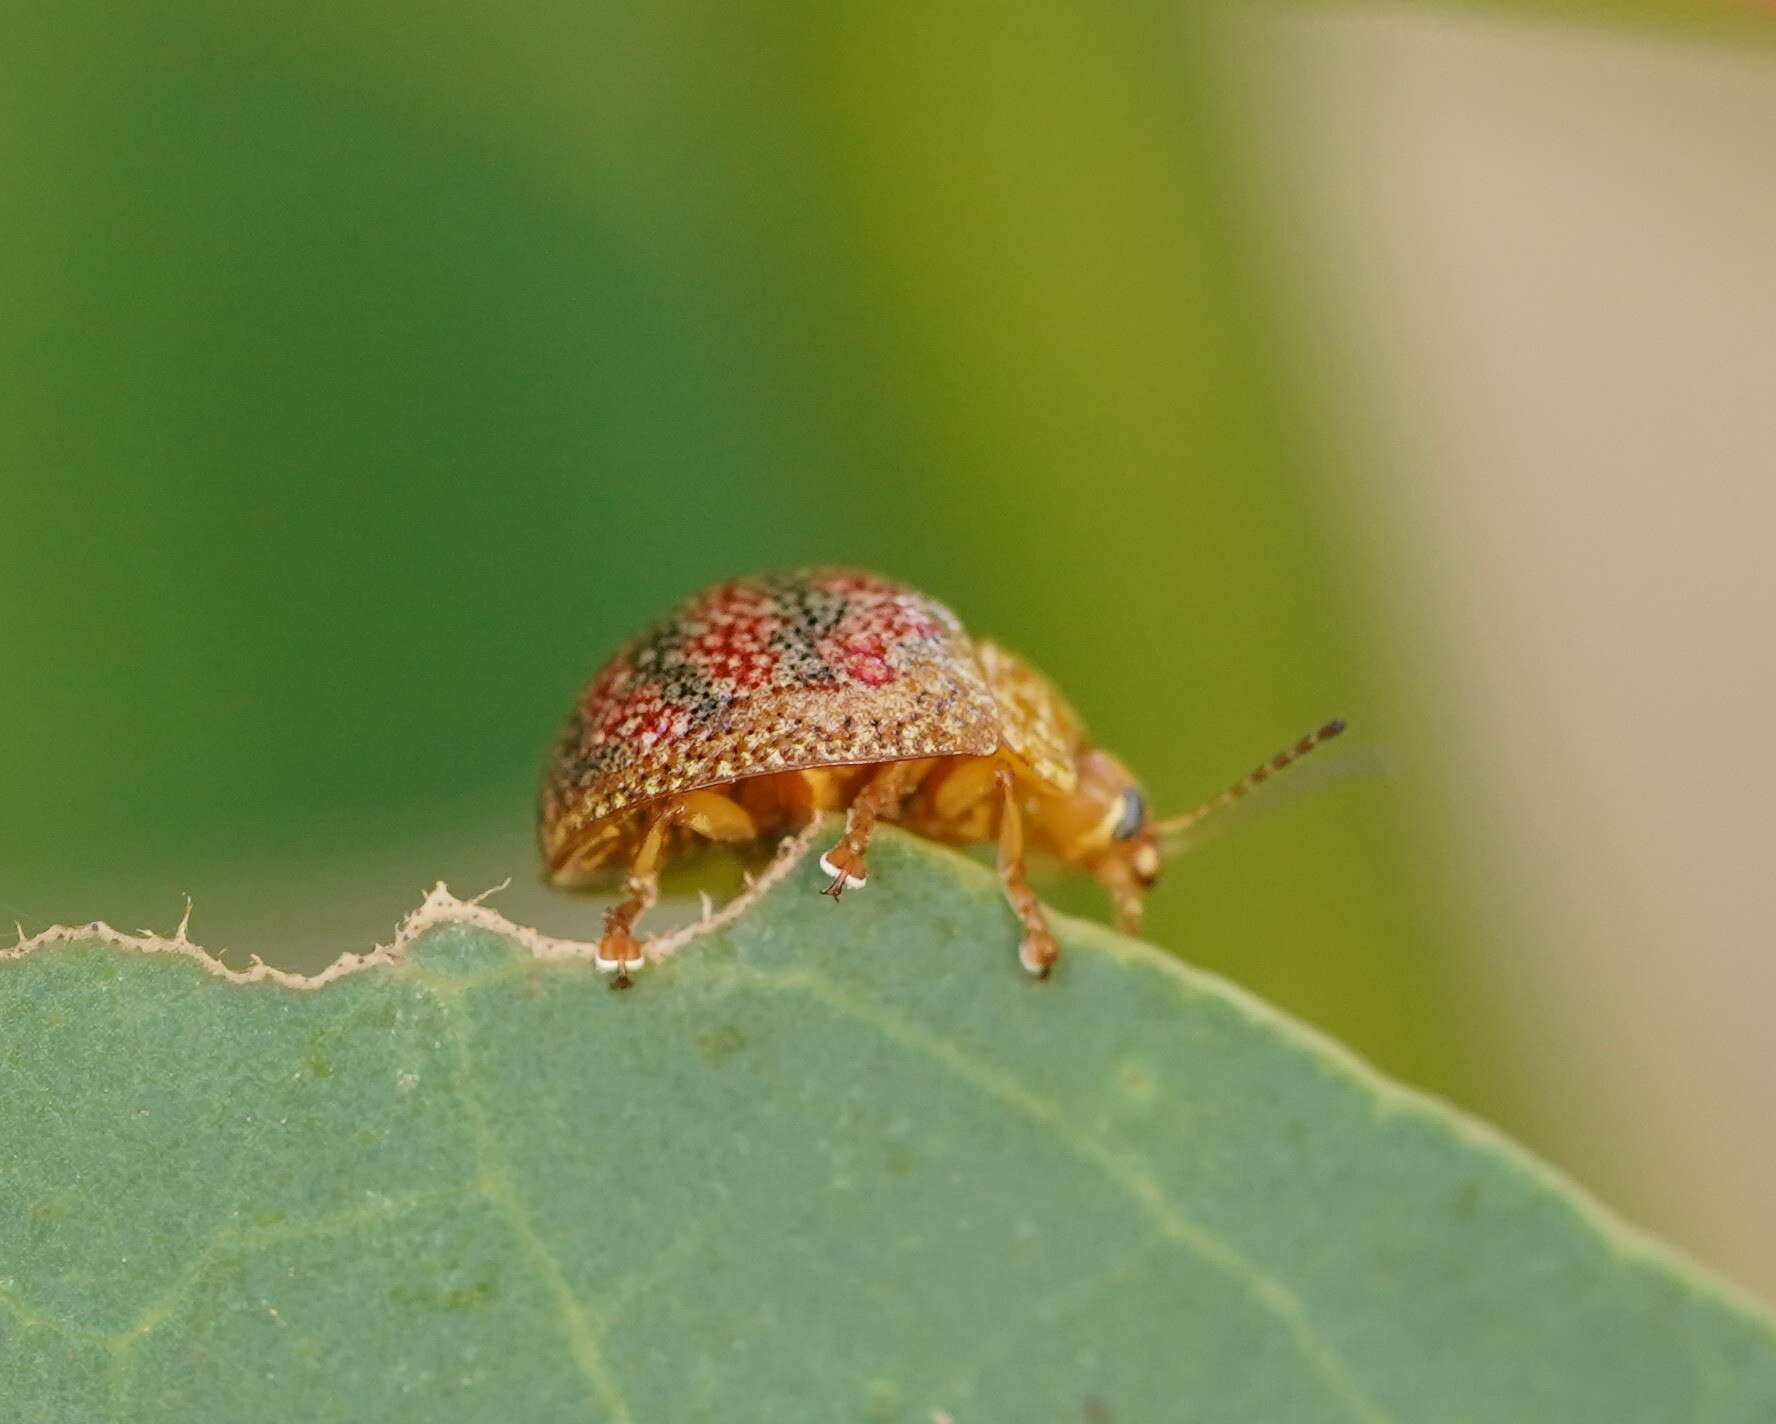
x: 1038, y: 951
x: 881, y: 796
x: 1127, y: 897
x: 716, y: 817
x: 618, y: 950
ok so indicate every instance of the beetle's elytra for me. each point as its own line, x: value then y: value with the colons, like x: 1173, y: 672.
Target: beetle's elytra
x: 766, y: 700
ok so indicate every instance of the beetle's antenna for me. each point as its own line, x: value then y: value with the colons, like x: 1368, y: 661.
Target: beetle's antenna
x: 1253, y: 779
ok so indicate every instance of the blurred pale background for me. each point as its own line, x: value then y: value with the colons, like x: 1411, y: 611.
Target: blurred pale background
x: 367, y: 372
x: 1544, y: 265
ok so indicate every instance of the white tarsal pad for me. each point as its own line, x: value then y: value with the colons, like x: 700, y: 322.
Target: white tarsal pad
x: 852, y: 882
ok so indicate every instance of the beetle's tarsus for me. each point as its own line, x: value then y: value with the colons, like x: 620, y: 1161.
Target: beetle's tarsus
x: 618, y: 951
x: 846, y: 868
x: 1038, y: 956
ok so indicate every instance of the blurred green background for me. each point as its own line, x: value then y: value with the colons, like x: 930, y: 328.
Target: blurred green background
x: 368, y: 371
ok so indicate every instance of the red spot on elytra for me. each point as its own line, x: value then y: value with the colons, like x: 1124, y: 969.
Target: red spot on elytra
x: 728, y: 638
x: 864, y: 658
x: 864, y: 643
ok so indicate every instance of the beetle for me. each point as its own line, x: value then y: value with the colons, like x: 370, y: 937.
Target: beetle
x: 768, y: 700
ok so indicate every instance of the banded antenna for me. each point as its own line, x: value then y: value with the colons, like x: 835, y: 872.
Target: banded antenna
x: 1177, y: 825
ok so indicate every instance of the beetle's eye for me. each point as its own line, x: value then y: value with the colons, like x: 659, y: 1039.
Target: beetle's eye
x: 1133, y: 817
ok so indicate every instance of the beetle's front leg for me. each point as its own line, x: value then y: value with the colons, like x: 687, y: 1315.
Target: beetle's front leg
x: 1037, y: 951
x: 1127, y: 895
x: 881, y: 796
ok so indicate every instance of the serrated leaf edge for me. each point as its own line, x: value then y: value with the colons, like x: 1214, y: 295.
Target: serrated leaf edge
x: 440, y: 907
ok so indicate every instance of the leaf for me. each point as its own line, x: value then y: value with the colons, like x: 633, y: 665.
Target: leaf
x: 823, y: 1164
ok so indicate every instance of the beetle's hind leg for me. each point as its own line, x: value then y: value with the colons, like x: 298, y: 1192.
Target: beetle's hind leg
x: 881, y: 796
x: 706, y: 813
x: 618, y: 950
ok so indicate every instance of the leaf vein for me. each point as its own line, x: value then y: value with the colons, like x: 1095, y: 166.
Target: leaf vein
x: 498, y: 1187
x: 1266, y: 1289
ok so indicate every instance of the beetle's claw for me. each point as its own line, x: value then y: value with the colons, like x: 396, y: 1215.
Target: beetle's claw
x: 846, y: 869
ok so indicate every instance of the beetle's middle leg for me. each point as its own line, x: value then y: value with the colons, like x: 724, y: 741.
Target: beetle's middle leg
x: 880, y: 796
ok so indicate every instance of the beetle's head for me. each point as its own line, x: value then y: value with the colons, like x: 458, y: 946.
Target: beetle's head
x: 1103, y: 825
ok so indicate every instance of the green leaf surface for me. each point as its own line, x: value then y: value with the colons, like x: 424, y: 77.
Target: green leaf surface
x: 824, y: 1163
